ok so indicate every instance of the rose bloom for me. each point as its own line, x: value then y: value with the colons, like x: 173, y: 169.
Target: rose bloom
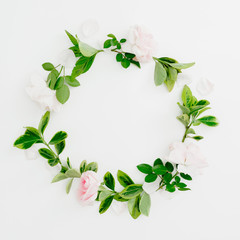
x: 42, y: 94
x: 142, y: 43
x: 88, y: 189
x: 188, y: 156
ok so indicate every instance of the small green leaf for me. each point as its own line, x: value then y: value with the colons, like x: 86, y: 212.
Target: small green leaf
x: 68, y: 163
x: 125, y: 63
x: 181, y: 65
x: 119, y: 57
x: 83, y: 166
x: 53, y: 162
x: 210, y: 121
x: 72, y: 38
x: 158, y: 161
x: 107, y: 43
x: 187, y: 96
x: 52, y: 79
x: 170, y: 188
x: 111, y: 35
x: 150, y: 177
x: 167, y: 177
x: 123, y: 40
x: 69, y: 185
x: 25, y: 141
x: 181, y: 185
x: 72, y: 173
x: 129, y: 55
x: 109, y: 180
x: 48, y: 66
x: 133, y: 207
x: 145, y: 168
x: 177, y: 179
x: 131, y: 191
x: 124, y: 179
x: 198, y: 138
x: 184, y: 189
x: 171, y: 78
x: 87, y: 50
x: 60, y: 176
x: 184, y: 109
x: 73, y: 82
x: 169, y: 166
x: 105, y: 204
x: 167, y: 60
x: 63, y: 94
x: 186, y: 176
x: 160, y: 74
x: 145, y: 204
x: 93, y: 166
x: 160, y: 169
x: 44, y: 122
x: 58, y: 137
x: 119, y: 199
x: 59, y: 83
x: 104, y: 194
x: 190, y: 131
x: 184, y: 119
x: 60, y: 147
x: 46, y: 153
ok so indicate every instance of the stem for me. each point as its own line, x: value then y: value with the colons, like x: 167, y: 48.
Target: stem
x: 185, y: 134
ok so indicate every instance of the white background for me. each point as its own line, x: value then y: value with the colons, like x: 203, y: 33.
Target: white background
x: 118, y: 118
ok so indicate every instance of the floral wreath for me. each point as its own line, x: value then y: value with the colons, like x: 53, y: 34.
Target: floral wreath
x: 170, y: 175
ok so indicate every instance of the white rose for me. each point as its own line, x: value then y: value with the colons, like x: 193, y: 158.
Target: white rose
x: 42, y: 94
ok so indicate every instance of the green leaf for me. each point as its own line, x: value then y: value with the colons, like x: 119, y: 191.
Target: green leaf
x: 73, y: 82
x: 105, y: 204
x: 59, y: 177
x: 190, y: 131
x: 184, y: 109
x: 145, y: 168
x: 48, y: 66
x: 68, y: 163
x: 104, y: 194
x: 119, y: 57
x: 184, y: 189
x: 159, y: 169
x: 44, y: 122
x: 167, y: 177
x: 52, y: 79
x: 59, y: 83
x: 186, y: 176
x: 119, y: 199
x: 133, y: 207
x: 87, y: 50
x: 160, y: 74
x: 150, y: 177
x: 72, y: 38
x: 58, y: 137
x: 125, y: 63
x: 72, y: 173
x: 129, y: 55
x: 76, y: 51
x: 167, y: 60
x: 46, y: 153
x: 184, y: 119
x: 131, y: 191
x: 135, y: 63
x: 145, y: 204
x: 181, y: 185
x: 83, y: 166
x: 171, y: 78
x: 63, y: 94
x: 158, y: 161
x: 107, y: 43
x: 111, y: 35
x: 60, y: 147
x: 194, y: 101
x: 170, y: 188
x: 124, y: 179
x: 93, y: 166
x: 53, y: 162
x: 181, y: 65
x: 197, y: 138
x: 123, y: 40
x: 109, y: 180
x: 210, y: 121
x: 177, y: 179
x: 33, y: 132
x: 82, y: 65
x: 169, y: 166
x: 25, y: 141
x: 69, y: 185
x: 186, y: 96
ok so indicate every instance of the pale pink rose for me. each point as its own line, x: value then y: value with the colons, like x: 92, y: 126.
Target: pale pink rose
x: 88, y: 189
x: 142, y: 43
x: 187, y: 155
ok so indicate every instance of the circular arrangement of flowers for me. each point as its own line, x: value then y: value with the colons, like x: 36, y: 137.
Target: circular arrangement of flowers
x: 169, y: 175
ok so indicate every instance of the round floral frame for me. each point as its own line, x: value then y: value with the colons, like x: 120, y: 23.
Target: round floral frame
x: 171, y: 175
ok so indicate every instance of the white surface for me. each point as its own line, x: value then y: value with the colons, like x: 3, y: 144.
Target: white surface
x: 119, y: 118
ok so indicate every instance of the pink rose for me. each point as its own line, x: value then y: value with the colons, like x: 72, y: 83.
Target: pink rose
x: 187, y: 155
x: 142, y: 43
x: 88, y: 189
